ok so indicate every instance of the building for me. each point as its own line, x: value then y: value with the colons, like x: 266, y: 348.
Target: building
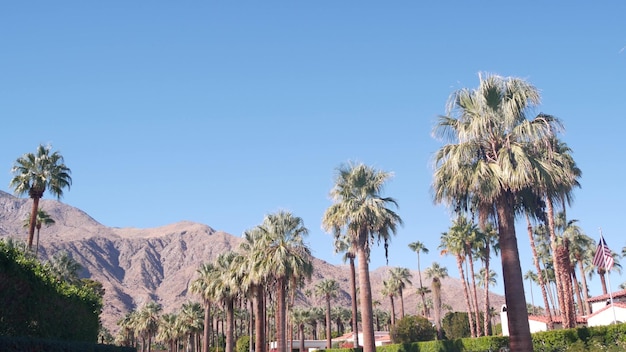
x: 602, y: 313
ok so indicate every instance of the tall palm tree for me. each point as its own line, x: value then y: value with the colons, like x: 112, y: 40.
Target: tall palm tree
x: 327, y: 289
x: 147, y: 323
x: 168, y: 330
x: 436, y: 273
x: 489, y: 243
x: 224, y: 289
x: 191, y: 318
x: 401, y: 277
x: 34, y: 173
x: 390, y: 290
x: 453, y: 242
x: 344, y: 245
x: 492, y: 156
x: 202, y: 286
x: 300, y: 316
x: 419, y: 247
x: 361, y: 212
x: 541, y: 277
x: 257, y: 279
x: 289, y: 259
x: 531, y: 276
x: 43, y: 218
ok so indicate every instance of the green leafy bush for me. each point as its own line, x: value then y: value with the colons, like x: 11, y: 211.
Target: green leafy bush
x: 412, y: 328
x: 243, y: 344
x: 34, y: 303
x: 456, y: 325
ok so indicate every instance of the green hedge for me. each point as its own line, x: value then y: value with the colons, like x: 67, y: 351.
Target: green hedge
x: 29, y: 344
x: 599, y: 338
x: 33, y: 303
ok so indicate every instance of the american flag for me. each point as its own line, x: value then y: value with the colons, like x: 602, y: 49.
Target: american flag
x: 603, y: 257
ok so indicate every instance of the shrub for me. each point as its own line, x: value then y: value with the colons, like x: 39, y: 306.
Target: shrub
x: 243, y: 344
x: 412, y: 328
x: 456, y: 325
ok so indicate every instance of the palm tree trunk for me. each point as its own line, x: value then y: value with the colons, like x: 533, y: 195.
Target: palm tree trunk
x: 230, y: 325
x: 601, y: 273
x: 519, y: 330
x: 562, y: 256
x: 558, y: 269
x: 542, y: 282
x: 329, y: 342
x: 365, y: 294
x: 474, y: 294
x: 33, y: 222
x: 401, y: 303
x: 301, y: 331
x: 355, y: 321
x: 422, y: 293
x: 393, y: 311
x: 281, y: 328
x: 585, y: 291
x: 459, y: 263
x: 259, y: 322
x: 437, y: 307
x: 486, y: 320
x: 207, y: 318
x: 576, y: 288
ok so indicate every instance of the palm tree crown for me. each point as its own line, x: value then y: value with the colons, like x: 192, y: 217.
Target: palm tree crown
x: 33, y: 174
x: 362, y: 213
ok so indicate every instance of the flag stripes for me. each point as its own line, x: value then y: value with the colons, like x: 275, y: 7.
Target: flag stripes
x: 603, y: 257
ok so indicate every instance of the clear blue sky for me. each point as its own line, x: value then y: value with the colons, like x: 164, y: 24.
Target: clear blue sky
x: 222, y: 112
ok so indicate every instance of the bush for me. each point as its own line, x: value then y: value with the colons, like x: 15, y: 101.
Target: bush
x: 411, y: 329
x: 33, y: 301
x: 456, y: 325
x: 243, y: 344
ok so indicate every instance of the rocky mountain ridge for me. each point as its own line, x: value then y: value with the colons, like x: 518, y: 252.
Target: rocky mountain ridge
x: 138, y: 265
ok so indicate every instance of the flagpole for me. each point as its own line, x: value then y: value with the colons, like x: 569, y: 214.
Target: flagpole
x: 608, y: 278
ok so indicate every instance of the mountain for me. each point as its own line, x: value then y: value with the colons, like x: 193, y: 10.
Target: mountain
x: 138, y: 265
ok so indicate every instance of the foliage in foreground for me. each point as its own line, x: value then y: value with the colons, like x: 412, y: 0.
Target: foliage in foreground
x: 35, y: 303
x: 610, y: 338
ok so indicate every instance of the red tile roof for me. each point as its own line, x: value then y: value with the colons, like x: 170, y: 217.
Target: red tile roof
x: 618, y: 294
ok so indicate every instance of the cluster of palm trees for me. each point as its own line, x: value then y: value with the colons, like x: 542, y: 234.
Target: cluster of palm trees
x: 496, y: 164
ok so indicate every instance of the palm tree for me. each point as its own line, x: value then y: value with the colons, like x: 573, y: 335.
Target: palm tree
x: 531, y: 277
x: 541, y: 277
x: 343, y: 245
x: 489, y: 242
x: 390, y: 290
x: 65, y: 267
x: 361, y: 212
x: 288, y: 258
x: 327, y: 289
x: 300, y: 316
x: 191, y: 319
x: 419, y: 247
x: 436, y: 273
x: 33, y: 174
x: 453, y: 242
x: 147, y: 323
x: 492, y: 158
x: 202, y: 286
x: 223, y: 288
x: 168, y: 331
x: 401, y: 277
x: 257, y: 279
x: 43, y: 218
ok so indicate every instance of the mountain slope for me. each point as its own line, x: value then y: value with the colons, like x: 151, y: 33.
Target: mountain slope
x: 138, y: 265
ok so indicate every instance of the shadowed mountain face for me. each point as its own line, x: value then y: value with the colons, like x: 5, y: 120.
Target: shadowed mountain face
x: 139, y: 265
